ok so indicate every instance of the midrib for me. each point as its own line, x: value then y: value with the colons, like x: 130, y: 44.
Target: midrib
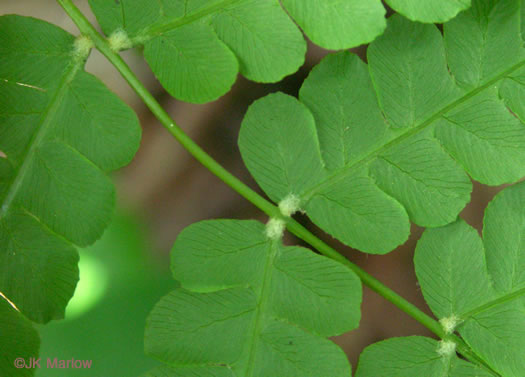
x: 341, y: 173
x: 261, y: 308
x: 162, y: 27
x: 500, y: 300
x: 44, y: 125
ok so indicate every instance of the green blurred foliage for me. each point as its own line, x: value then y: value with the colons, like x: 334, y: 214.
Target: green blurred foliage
x: 107, y: 326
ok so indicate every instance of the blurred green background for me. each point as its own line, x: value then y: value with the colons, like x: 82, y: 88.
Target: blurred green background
x: 120, y: 282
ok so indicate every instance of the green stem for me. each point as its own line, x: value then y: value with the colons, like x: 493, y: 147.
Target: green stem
x: 269, y: 208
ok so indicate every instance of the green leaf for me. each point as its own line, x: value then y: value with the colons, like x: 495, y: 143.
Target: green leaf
x: 523, y: 19
x: 409, y: 72
x: 250, y: 306
x: 338, y: 24
x: 439, y: 254
x: 267, y: 45
x: 62, y: 130
x: 512, y: 91
x: 413, y: 356
x: 191, y: 46
x: 281, y: 172
x: 211, y: 75
x: 478, y: 284
x: 474, y: 58
x: 19, y: 340
x: 394, y: 140
x: 432, y: 11
x: 212, y: 371
x: 486, y: 138
x: 38, y: 269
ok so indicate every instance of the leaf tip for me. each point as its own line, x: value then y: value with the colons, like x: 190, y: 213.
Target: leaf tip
x: 275, y: 229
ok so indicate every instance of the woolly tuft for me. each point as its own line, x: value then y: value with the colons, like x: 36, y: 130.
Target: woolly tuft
x: 275, y: 229
x: 83, y: 46
x: 119, y: 41
x: 289, y: 205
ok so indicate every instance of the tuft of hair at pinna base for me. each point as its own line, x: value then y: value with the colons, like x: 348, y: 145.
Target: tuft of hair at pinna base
x: 275, y: 229
x: 289, y: 205
x: 449, y: 324
x: 119, y: 40
x: 82, y: 47
x: 446, y: 348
